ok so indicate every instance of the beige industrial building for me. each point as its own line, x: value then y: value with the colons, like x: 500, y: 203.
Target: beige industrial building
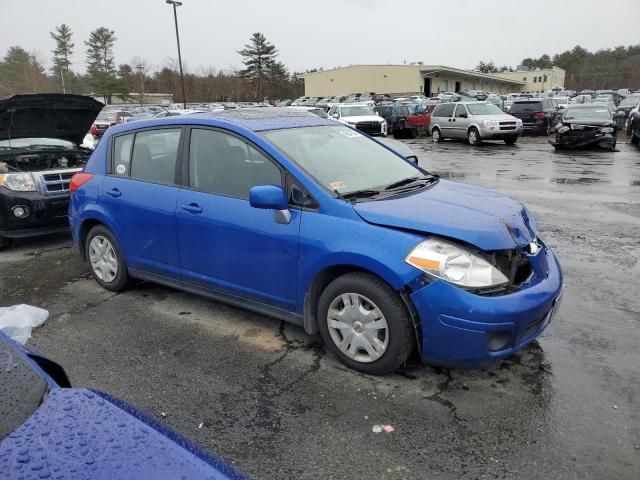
x: 398, y: 80
x: 540, y: 81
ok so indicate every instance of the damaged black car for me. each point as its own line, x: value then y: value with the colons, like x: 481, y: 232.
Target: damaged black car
x: 586, y: 125
x: 40, y: 150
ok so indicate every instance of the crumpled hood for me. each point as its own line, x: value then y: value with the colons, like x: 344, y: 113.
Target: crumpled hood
x: 48, y: 115
x: 484, y: 218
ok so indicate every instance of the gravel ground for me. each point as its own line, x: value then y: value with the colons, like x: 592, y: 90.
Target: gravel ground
x: 272, y: 402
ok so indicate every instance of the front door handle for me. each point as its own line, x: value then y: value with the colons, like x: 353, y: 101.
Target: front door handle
x: 192, y: 208
x: 114, y: 192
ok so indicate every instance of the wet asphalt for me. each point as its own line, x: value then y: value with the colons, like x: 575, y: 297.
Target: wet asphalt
x: 266, y: 397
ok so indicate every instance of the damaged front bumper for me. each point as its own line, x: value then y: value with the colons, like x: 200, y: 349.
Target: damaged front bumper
x: 462, y: 328
x: 584, y: 137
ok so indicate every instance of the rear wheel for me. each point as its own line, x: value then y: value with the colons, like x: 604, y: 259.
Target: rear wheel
x: 365, y: 324
x: 107, y: 262
x: 435, y: 135
x: 635, y: 140
x: 473, y: 136
x: 412, y: 133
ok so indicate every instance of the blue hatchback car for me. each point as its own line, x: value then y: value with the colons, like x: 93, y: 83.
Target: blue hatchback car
x: 297, y: 217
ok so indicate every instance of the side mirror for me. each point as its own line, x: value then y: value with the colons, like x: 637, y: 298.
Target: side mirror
x: 464, y: 115
x: 271, y: 197
x: 412, y: 159
x: 335, y: 115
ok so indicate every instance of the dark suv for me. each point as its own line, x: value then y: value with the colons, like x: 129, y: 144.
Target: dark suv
x: 538, y: 115
x: 41, y: 138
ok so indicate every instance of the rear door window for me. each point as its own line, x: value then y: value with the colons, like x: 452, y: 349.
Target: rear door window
x: 149, y: 155
x: 445, y: 110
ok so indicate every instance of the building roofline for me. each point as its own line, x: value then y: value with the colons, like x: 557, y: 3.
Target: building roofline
x: 424, y: 69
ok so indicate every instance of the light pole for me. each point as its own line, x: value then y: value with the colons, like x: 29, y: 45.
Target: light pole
x: 176, y: 4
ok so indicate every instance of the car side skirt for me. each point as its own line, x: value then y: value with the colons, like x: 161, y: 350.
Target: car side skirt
x: 223, y: 297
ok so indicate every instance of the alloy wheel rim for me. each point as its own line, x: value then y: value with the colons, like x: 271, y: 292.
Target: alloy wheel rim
x: 436, y: 135
x: 103, y: 259
x: 358, y: 327
x: 472, y: 137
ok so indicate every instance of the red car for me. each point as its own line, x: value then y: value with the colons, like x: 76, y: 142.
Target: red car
x: 105, y: 119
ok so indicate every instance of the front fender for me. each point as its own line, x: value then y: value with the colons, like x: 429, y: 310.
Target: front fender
x: 329, y: 241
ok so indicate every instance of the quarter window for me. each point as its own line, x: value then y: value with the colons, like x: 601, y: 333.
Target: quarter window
x: 223, y: 164
x: 122, y: 155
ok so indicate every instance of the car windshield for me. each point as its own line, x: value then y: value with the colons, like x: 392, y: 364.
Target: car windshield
x: 40, y: 142
x: 106, y: 116
x: 484, y: 109
x: 342, y: 159
x: 591, y: 113
x: 22, y: 389
x: 356, y: 111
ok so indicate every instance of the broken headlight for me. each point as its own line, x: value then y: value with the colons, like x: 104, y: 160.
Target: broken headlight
x: 564, y: 129
x: 455, y: 264
x: 18, y: 182
x: 606, y: 130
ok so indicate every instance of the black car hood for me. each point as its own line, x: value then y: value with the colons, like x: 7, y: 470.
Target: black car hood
x: 48, y: 115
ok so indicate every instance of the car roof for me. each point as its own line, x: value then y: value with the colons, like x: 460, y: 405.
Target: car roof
x: 254, y: 119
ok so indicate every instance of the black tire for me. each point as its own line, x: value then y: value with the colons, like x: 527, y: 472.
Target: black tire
x: 412, y: 133
x: 437, y: 138
x: 612, y: 147
x: 396, y: 134
x: 121, y: 280
x: 635, y: 140
x: 511, y: 140
x: 401, y: 338
x: 5, y: 243
x: 472, y: 139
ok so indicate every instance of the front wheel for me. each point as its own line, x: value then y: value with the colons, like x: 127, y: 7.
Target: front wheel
x: 473, y: 136
x: 435, y: 135
x: 365, y: 324
x: 105, y: 257
x: 635, y: 140
x: 511, y: 140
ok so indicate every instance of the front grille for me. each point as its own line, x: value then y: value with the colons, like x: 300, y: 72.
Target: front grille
x: 507, y: 125
x: 56, y: 182
x: 369, y: 127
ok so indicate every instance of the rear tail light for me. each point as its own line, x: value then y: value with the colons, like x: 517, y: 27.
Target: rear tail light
x: 538, y: 115
x: 93, y: 129
x: 78, y: 180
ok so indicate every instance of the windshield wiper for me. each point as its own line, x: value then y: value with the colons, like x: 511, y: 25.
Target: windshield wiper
x: 408, y: 181
x: 360, y: 194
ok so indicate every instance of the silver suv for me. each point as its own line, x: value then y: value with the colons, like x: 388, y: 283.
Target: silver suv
x: 475, y: 122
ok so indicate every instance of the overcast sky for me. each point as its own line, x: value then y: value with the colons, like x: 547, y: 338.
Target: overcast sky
x: 328, y: 33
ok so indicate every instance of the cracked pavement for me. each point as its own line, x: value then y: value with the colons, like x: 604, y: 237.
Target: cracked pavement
x: 272, y: 402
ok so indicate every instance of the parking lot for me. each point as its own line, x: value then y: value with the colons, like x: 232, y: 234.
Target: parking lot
x: 266, y: 397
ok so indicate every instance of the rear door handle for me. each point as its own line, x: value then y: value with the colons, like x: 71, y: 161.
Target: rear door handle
x: 114, y: 192
x: 192, y: 208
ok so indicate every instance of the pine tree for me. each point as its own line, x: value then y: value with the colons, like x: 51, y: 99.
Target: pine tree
x: 101, y: 67
x: 62, y: 54
x: 258, y: 56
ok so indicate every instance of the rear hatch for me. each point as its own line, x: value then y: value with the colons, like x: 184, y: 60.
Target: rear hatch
x: 524, y: 110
